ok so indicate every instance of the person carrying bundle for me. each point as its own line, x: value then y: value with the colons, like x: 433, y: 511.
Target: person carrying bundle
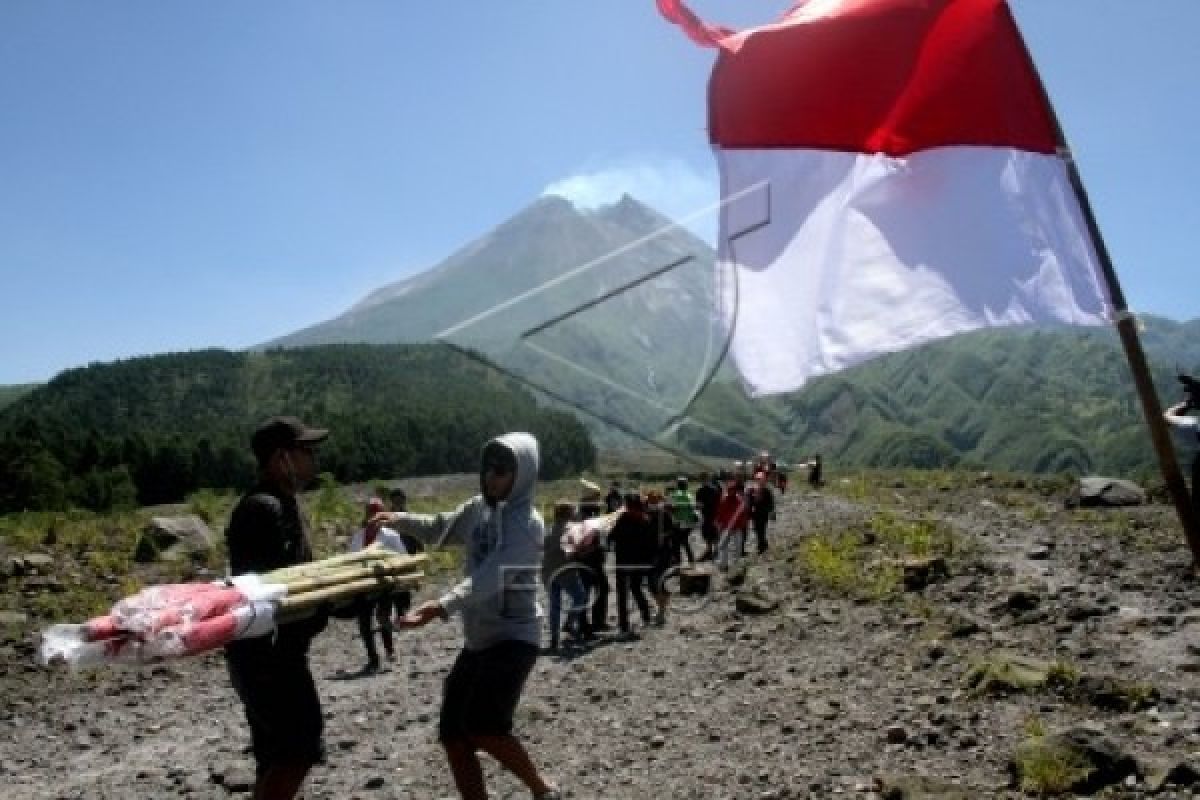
x: 666, y: 553
x: 635, y: 548
x: 378, y: 609
x: 560, y: 575
x: 502, y: 534
x: 270, y: 673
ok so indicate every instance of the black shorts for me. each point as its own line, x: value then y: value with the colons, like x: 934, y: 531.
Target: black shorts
x: 283, y: 710
x: 483, y: 689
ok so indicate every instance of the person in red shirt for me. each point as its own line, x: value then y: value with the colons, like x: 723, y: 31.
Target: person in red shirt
x: 733, y: 517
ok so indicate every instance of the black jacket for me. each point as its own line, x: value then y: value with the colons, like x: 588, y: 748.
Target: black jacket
x: 634, y: 541
x: 762, y: 503
x: 707, y: 496
x: 266, y: 531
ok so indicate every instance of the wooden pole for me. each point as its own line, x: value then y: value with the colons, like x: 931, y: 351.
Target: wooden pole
x: 1127, y: 330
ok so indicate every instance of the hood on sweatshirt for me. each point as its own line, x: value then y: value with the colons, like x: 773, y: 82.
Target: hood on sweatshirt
x: 519, y: 450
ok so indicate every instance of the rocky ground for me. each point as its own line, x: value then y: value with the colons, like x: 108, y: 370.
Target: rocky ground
x: 836, y: 692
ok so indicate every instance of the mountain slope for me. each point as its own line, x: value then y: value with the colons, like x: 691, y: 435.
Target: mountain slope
x: 608, y: 310
x: 631, y: 345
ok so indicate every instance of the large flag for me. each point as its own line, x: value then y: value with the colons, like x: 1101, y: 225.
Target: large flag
x: 891, y: 175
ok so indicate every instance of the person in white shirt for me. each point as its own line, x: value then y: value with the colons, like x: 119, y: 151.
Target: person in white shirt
x: 380, y: 609
x: 1179, y: 418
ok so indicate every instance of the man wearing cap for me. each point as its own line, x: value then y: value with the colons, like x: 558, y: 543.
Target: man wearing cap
x: 270, y: 673
x: 374, y: 533
x: 502, y: 534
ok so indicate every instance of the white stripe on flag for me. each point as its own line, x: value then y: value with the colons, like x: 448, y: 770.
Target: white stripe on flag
x: 865, y: 254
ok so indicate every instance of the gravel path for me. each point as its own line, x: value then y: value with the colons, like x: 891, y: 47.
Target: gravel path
x: 825, y: 696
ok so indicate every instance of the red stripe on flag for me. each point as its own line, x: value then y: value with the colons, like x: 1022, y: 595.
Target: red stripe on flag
x: 698, y: 30
x: 880, y: 76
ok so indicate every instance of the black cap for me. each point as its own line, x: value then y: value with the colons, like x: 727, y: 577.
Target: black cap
x: 281, y: 433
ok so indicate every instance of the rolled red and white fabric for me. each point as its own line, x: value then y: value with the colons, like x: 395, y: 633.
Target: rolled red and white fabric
x: 186, y: 619
x: 583, y: 535
x: 890, y: 175
x: 167, y: 621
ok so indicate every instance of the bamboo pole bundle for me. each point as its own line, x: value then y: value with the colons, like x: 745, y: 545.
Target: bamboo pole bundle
x: 340, y: 580
x: 333, y: 578
x: 312, y: 568
x: 298, y: 606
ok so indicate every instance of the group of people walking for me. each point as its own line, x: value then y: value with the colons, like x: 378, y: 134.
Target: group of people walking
x: 505, y: 545
x: 649, y: 539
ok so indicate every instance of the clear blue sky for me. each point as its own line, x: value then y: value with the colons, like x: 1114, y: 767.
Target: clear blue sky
x: 192, y: 174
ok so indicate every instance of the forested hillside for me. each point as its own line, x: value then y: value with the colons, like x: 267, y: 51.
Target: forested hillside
x: 10, y: 394
x: 1035, y: 401
x: 150, y: 430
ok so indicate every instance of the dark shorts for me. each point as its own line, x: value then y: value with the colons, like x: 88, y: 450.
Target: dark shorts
x: 283, y: 710
x: 483, y: 689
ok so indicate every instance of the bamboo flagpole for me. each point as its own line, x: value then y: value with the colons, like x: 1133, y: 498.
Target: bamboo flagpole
x: 1127, y: 330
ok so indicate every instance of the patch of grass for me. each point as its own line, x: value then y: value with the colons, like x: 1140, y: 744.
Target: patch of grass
x: 870, y: 565
x: 1062, y: 675
x: 1045, y: 770
x: 833, y: 561
x: 839, y: 562
x: 1034, y: 727
x: 211, y: 506
x: 332, y: 503
x: 1004, y: 673
x: 1037, y: 513
x: 1140, y: 696
x: 912, y: 538
x: 857, y: 488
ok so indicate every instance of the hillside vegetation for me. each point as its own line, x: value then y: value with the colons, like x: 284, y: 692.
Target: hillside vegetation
x: 1026, y: 400
x: 151, y: 430
x: 10, y: 394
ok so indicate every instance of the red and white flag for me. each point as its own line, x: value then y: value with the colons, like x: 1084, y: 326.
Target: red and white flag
x: 895, y: 173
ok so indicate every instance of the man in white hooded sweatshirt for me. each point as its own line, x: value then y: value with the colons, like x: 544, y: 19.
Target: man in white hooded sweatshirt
x: 502, y: 534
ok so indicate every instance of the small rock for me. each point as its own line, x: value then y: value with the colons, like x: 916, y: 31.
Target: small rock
x: 921, y: 572
x: 922, y: 788
x: 755, y: 602
x: 1023, y: 600
x: 1177, y: 773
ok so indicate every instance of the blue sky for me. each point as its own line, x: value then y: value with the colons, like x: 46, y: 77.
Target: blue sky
x: 193, y: 174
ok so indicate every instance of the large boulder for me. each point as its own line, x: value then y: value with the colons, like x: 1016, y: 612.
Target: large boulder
x: 1097, y: 491
x: 29, y: 564
x: 174, y: 538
